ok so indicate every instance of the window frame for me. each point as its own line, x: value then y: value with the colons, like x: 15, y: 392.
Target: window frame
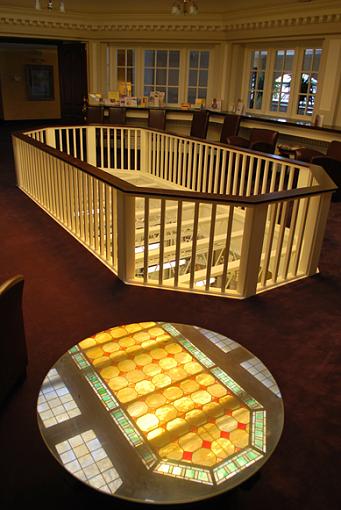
x: 291, y: 112
x: 110, y: 78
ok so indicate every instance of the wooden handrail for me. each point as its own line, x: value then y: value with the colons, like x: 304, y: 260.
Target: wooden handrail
x: 325, y: 185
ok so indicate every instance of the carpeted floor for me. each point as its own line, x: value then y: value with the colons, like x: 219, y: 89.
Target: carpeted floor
x: 69, y: 294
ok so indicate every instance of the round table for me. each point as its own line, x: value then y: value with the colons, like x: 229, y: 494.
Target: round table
x: 158, y: 412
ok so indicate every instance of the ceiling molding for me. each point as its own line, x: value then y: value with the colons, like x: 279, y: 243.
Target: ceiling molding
x: 71, y: 22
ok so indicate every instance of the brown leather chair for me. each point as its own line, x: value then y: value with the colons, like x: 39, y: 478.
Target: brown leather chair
x: 230, y: 127
x: 157, y: 119
x: 94, y: 114
x: 13, y: 349
x: 333, y: 168
x: 199, y: 124
x: 306, y: 154
x: 261, y: 140
x: 116, y: 115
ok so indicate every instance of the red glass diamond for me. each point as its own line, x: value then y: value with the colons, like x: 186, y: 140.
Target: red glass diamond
x: 187, y: 455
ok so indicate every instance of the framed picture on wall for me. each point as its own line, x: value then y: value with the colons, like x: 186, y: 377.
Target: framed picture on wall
x: 39, y: 82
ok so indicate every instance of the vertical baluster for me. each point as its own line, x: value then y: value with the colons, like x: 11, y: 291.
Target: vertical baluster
x: 71, y: 198
x: 107, y: 222
x: 96, y: 215
x: 194, y: 182
x: 303, y: 220
x: 250, y: 175
x: 167, y: 157
x: 231, y: 157
x: 162, y: 156
x: 122, y: 138
x: 115, y: 148
x: 101, y: 217
x: 75, y: 151
x: 210, y: 247
x: 178, y: 244
x: 129, y: 149
x: 243, y: 172
x: 205, y: 170
x: 265, y: 177
x: 86, y: 208
x: 113, y: 228
x: 146, y: 241
x: 194, y: 243
x: 135, y: 150
x: 227, y: 248
x: 236, y: 173
x: 162, y: 239
x: 67, y: 136
x: 176, y: 160
x: 217, y: 169
x: 268, y: 244
x: 91, y: 210
x: 108, y: 148
x: 210, y: 151
x: 292, y: 229
x: 279, y: 246
x: 180, y: 162
x: 257, y: 180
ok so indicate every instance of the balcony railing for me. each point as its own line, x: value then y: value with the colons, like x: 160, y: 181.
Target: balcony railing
x: 175, y: 212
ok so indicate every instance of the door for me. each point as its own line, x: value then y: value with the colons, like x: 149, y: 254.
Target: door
x: 73, y: 80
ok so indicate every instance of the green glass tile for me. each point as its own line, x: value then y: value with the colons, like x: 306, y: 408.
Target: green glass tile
x: 190, y: 473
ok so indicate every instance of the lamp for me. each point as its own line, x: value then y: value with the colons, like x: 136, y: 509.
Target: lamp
x: 184, y: 7
x: 50, y: 5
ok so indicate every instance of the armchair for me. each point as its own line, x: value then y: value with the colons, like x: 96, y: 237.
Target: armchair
x: 262, y: 140
x: 12, y: 336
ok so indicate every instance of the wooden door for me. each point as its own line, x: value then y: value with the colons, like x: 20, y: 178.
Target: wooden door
x: 73, y: 79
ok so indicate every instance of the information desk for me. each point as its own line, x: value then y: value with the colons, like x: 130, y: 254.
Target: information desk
x: 160, y: 413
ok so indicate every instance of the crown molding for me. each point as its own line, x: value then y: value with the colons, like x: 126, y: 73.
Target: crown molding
x: 321, y: 14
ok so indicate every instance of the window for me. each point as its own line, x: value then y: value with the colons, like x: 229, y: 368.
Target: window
x: 256, y: 79
x: 126, y: 67
x: 283, y: 81
x: 161, y: 73
x: 308, y: 81
x: 197, y: 75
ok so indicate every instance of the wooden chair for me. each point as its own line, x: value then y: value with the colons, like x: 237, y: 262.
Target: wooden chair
x: 261, y: 140
x: 116, y: 115
x: 13, y: 349
x: 94, y: 115
x: 157, y: 119
x: 306, y: 154
x: 199, y: 124
x: 230, y: 127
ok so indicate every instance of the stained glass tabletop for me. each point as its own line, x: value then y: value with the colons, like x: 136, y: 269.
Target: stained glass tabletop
x: 160, y: 413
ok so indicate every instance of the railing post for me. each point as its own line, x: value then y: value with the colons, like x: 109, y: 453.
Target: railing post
x: 91, y: 145
x: 125, y: 236
x: 144, y: 151
x: 17, y: 160
x: 251, y: 250
x: 50, y: 137
x: 317, y: 216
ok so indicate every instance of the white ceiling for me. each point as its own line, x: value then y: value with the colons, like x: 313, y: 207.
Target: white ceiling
x: 157, y: 6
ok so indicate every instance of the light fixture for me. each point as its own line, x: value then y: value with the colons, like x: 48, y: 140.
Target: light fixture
x: 184, y: 7
x: 50, y: 5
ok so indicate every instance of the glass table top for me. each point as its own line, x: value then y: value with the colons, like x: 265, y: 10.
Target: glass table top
x: 159, y: 412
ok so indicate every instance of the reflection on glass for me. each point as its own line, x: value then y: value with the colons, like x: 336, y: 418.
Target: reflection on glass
x: 255, y: 367
x: 221, y: 341
x: 84, y: 457
x: 257, y: 78
x: 308, y: 81
x: 55, y: 403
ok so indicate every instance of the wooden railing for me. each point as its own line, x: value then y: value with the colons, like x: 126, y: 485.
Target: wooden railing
x: 208, y: 218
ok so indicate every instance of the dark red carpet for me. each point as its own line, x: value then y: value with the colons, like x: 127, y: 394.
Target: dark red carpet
x: 69, y: 294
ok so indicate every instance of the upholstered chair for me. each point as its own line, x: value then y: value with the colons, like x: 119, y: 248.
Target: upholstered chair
x: 157, y: 119
x: 262, y: 140
x: 199, y: 124
x: 13, y: 349
x: 230, y: 127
